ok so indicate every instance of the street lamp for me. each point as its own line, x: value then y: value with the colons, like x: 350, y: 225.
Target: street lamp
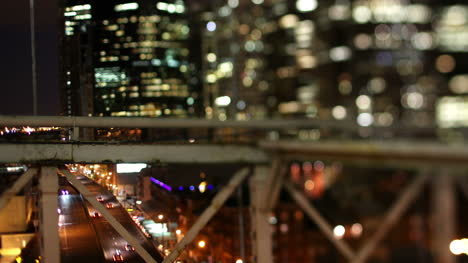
x: 201, y: 243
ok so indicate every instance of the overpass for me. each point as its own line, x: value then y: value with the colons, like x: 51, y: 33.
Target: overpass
x: 265, y: 162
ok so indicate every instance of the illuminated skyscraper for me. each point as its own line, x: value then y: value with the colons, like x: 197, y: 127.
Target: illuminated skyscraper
x: 138, y: 57
x: 233, y: 59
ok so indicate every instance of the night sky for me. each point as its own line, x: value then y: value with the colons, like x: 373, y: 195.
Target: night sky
x: 15, y: 48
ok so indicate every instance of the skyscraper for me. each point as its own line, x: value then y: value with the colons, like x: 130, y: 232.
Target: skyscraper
x: 137, y: 57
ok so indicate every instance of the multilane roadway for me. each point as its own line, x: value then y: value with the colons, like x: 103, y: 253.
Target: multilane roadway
x: 85, y: 237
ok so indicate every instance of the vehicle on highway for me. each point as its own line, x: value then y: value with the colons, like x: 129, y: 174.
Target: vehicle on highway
x: 117, y: 257
x: 100, y: 199
x: 129, y: 247
x: 96, y: 215
x: 110, y: 205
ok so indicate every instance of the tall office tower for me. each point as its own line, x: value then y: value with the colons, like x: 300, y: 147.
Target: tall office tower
x: 233, y: 61
x: 137, y: 54
x: 77, y: 58
x: 372, y: 62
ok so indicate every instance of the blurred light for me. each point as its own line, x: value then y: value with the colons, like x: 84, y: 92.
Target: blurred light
x: 339, y: 12
x: 284, y: 228
x: 239, y: 261
x: 288, y: 21
x: 445, y: 63
x: 211, y: 78
x: 456, y: 15
x: 272, y: 220
x: 339, y: 231
x: 257, y: 2
x: 211, y: 26
x: 241, y: 105
x: 201, y: 243
x: 225, y: 11
x: 413, y: 100
x: 192, y: 188
x: 452, y: 112
x: 376, y: 85
x: 129, y: 167
x: 363, y: 102
x: 309, y: 185
x: 308, y: 61
x: 363, y: 41
x: 178, y: 232
x: 190, y: 101
x: 340, y: 53
x: 139, y: 202
x: 306, y: 5
x: 163, y: 185
x: 211, y: 57
x: 459, y: 84
x: 249, y: 46
x: 422, y: 41
x: 459, y: 246
x: 160, y: 216
x: 233, y: 3
x: 339, y: 112
x: 356, y: 230
x: 125, y: 7
x: 362, y: 14
x: 202, y: 187
x: 223, y: 101
x: 345, y: 87
x: 418, y: 13
x: 365, y: 119
x: 384, y: 119
x: 319, y: 166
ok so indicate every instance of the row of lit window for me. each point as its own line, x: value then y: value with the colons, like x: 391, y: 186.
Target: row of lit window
x: 149, y: 94
x: 133, y: 19
x: 153, y: 80
x: 151, y: 113
x: 151, y: 44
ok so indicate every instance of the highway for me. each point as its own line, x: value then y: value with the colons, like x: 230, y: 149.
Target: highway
x: 78, y: 240
x: 86, y: 238
x: 110, y: 240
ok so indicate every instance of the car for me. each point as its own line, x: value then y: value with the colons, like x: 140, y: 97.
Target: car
x: 96, y: 215
x: 110, y: 205
x: 100, y: 199
x: 129, y: 247
x: 117, y: 257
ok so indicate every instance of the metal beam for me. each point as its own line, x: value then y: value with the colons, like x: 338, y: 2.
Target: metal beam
x: 392, y: 216
x: 108, y: 216
x: 131, y: 153
x: 444, y: 216
x: 262, y: 230
x: 139, y: 122
x: 209, y: 212
x: 274, y: 184
x: 17, y: 186
x: 392, y: 153
x: 50, y: 242
x: 323, y: 225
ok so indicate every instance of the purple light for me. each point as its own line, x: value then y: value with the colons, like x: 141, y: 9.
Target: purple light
x: 181, y: 188
x: 210, y: 187
x: 163, y: 185
x: 192, y: 188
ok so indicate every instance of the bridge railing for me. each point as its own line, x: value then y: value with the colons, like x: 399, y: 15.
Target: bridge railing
x: 170, y: 130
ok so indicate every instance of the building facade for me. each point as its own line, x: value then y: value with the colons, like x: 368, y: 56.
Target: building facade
x: 128, y: 58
